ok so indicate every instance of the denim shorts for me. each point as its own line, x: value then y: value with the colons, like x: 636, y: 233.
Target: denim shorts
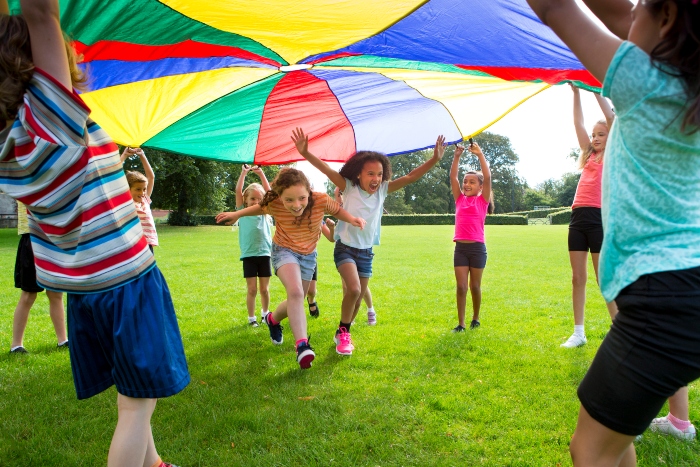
x: 282, y: 256
x: 361, y: 257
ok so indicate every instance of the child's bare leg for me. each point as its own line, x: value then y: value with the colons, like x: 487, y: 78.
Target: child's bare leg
x: 57, y: 314
x: 612, y: 306
x: 594, y: 444
x: 475, y: 275
x: 151, y: 452
x: 265, y: 293
x: 462, y: 279
x: 678, y: 404
x: 252, y: 284
x: 311, y: 293
x: 353, y: 289
x: 19, y: 322
x: 131, y: 437
x: 368, y: 298
x: 579, y: 277
x: 293, y: 307
x: 364, y: 283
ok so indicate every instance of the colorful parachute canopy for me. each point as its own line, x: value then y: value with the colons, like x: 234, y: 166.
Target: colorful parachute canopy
x: 231, y: 79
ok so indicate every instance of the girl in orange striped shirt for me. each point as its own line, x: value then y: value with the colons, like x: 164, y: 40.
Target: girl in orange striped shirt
x: 298, y: 212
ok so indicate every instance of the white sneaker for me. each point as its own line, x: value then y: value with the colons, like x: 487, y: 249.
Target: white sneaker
x: 663, y: 426
x: 574, y: 341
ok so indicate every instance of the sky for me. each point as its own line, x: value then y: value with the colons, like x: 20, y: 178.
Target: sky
x: 541, y: 132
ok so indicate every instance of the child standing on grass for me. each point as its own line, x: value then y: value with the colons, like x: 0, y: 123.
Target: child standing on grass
x: 298, y: 212
x: 86, y: 235
x: 255, y: 241
x: 473, y: 200
x: 364, y: 182
x: 141, y: 188
x: 25, y: 280
x: 586, y: 226
x: 327, y: 229
x: 650, y: 259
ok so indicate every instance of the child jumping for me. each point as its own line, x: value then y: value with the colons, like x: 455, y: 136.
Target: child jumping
x: 141, y: 187
x: 650, y: 259
x: 255, y: 241
x: 365, y: 182
x: 473, y: 200
x: 86, y: 235
x: 586, y: 226
x: 298, y: 212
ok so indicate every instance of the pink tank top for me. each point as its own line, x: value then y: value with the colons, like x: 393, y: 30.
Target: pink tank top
x: 589, y: 189
x: 470, y: 215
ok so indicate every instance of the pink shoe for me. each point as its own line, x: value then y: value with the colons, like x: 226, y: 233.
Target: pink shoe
x: 343, y: 342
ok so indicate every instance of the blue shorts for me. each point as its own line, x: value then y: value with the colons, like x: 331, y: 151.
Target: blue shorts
x: 306, y: 263
x: 361, y: 257
x: 128, y: 337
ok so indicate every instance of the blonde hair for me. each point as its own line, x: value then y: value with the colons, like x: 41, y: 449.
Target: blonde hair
x: 253, y: 187
x: 583, y: 158
x: 135, y: 177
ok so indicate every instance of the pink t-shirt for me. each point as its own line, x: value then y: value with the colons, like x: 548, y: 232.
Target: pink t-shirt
x: 470, y: 216
x: 143, y: 209
x: 589, y: 190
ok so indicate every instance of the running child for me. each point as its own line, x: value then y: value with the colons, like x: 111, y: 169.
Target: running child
x: 473, y: 200
x: 255, y: 241
x: 586, y: 226
x: 86, y: 236
x: 650, y: 259
x: 365, y: 182
x: 298, y: 212
x: 141, y: 187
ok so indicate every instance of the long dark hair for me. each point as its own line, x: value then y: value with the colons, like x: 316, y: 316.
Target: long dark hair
x: 286, y: 178
x: 480, y: 176
x: 353, y: 167
x: 678, y: 54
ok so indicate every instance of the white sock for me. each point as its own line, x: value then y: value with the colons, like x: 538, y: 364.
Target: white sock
x: 15, y: 347
x: 578, y: 330
x: 251, y: 319
x: 61, y: 343
x: 264, y: 313
x: 371, y: 310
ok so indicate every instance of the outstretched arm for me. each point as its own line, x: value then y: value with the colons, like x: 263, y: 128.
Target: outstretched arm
x: 454, y: 172
x: 229, y: 218
x: 150, y: 176
x: 328, y: 228
x: 607, y: 110
x: 616, y: 15
x: 263, y: 179
x: 422, y: 169
x: 48, y: 47
x: 581, y: 133
x: 485, y: 169
x: 301, y: 141
x: 239, y: 186
x: 579, y: 32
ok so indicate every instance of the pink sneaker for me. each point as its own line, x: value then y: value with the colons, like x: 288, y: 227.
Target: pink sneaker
x: 343, y: 342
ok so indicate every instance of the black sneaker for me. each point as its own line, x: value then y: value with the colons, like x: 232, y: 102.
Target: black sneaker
x: 475, y: 324
x: 459, y: 329
x: 315, y: 311
x: 253, y: 324
x: 275, y: 330
x: 19, y: 350
x: 305, y: 355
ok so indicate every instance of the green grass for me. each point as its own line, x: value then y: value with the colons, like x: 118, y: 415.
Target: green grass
x: 413, y: 393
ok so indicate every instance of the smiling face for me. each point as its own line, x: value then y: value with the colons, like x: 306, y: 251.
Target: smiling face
x: 471, y: 186
x: 599, y: 137
x: 371, y: 176
x: 295, y: 198
x: 253, y: 197
x: 137, y: 190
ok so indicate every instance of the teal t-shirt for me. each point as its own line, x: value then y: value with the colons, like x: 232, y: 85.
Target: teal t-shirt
x: 651, y: 177
x: 254, y: 236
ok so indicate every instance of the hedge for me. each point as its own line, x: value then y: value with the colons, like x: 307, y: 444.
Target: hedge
x: 560, y: 217
x: 401, y: 219
x: 536, y: 214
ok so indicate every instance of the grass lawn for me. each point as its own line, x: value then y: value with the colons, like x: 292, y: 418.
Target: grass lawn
x: 412, y: 394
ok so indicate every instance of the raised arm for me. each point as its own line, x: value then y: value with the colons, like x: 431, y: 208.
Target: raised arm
x: 48, y: 47
x: 581, y: 134
x: 614, y: 14
x: 150, y: 175
x: 239, y: 186
x: 607, y: 110
x: 485, y: 169
x: 593, y: 46
x: 301, y: 141
x: 454, y: 172
x: 229, y: 218
x: 418, y: 172
x: 128, y: 152
x: 263, y: 179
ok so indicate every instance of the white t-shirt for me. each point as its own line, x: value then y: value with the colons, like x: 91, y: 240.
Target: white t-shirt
x: 359, y: 203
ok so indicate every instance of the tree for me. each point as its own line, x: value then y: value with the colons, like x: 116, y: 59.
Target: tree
x: 567, y: 189
x: 534, y: 198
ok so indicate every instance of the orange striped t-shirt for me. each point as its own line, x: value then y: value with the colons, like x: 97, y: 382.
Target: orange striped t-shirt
x: 300, y: 238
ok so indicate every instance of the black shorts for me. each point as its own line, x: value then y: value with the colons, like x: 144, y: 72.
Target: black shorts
x: 652, y: 350
x: 586, y: 230
x: 25, y: 270
x: 257, y: 266
x: 472, y: 255
x: 315, y: 276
